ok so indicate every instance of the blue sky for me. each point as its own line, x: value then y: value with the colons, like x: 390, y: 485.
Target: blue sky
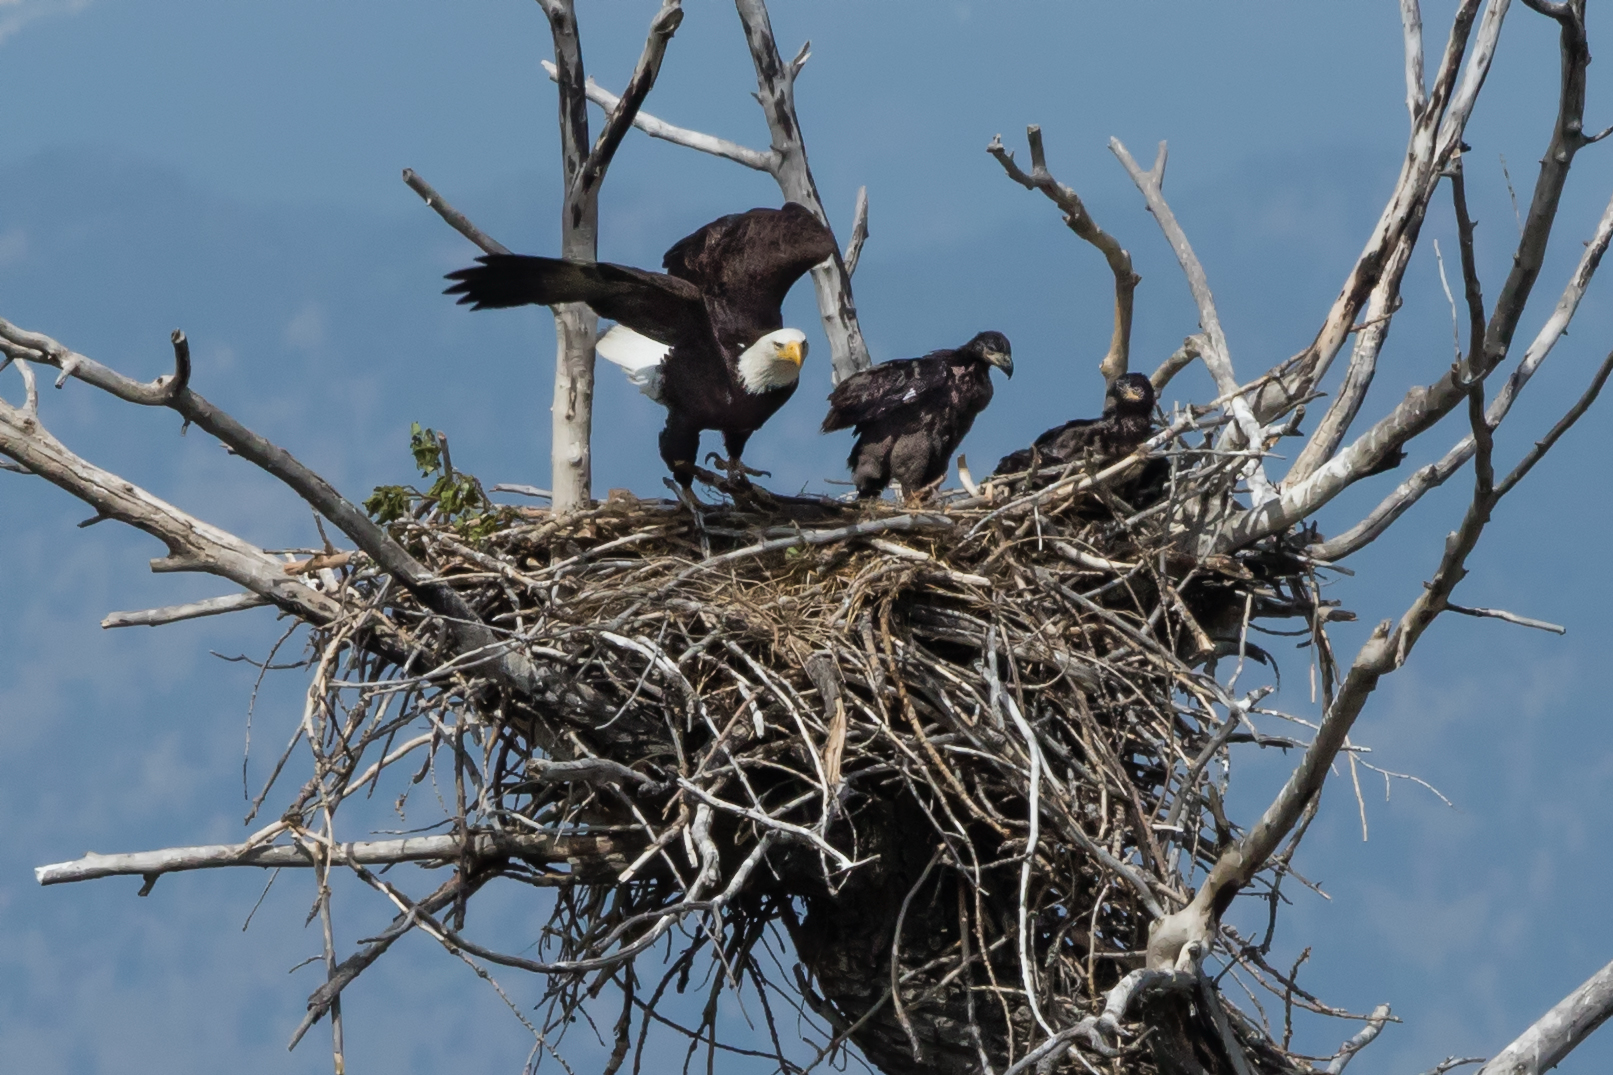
x: 233, y: 170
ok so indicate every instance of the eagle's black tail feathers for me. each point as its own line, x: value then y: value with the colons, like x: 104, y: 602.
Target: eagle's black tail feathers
x: 498, y: 281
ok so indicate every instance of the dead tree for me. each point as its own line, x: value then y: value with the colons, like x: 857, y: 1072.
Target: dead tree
x: 968, y: 761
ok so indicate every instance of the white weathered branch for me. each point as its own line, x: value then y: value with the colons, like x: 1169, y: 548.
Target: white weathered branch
x: 482, y: 844
x: 1430, y: 145
x: 680, y: 136
x: 1384, y: 651
x: 193, y: 545
x: 1419, y: 410
x: 775, y: 89
x: 859, y: 232
x: 196, y: 546
x: 1217, y: 357
x: 1358, y: 1041
x: 1508, y: 309
x: 212, y: 606
x: 1411, y: 25
x: 1509, y: 617
x: 1117, y: 361
x: 583, y: 169
x: 1556, y: 1034
x: 1566, y: 140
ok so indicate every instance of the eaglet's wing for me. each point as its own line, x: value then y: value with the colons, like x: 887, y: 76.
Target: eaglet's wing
x: 664, y: 308
x: 745, y: 263
x: 1057, y: 446
x: 885, y: 389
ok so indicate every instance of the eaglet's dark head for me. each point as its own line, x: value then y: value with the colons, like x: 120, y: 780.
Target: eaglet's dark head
x: 992, y: 348
x: 1132, y: 393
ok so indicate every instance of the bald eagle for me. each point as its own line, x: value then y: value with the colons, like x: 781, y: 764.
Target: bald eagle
x: 1128, y: 409
x: 911, y: 414
x: 706, y: 339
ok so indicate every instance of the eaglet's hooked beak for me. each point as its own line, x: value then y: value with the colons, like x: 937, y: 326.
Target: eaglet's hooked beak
x: 1002, y: 361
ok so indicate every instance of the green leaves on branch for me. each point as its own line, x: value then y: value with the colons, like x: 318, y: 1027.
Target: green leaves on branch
x: 457, y: 498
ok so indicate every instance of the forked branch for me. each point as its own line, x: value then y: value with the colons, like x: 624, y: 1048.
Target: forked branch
x: 785, y: 161
x: 583, y: 169
x: 1216, y: 356
x: 1384, y: 651
x: 1117, y: 361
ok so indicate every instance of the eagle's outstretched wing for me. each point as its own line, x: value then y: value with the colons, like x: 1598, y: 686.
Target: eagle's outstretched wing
x: 875, y: 393
x: 665, y: 308
x: 745, y: 263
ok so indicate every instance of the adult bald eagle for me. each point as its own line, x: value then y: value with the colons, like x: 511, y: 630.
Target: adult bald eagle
x: 1128, y: 409
x: 911, y: 414
x: 706, y: 339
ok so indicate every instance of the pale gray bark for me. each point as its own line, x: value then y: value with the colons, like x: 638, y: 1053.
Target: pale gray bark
x: 542, y: 847
x: 212, y: 606
x: 576, y: 326
x: 775, y: 89
x: 1555, y: 1034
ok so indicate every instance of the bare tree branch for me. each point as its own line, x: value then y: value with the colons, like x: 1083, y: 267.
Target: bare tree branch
x: 1428, y: 145
x: 1358, y: 1041
x: 682, y: 136
x: 456, y: 220
x: 1557, y: 1033
x: 576, y: 326
x: 1117, y: 361
x: 1179, y: 360
x: 1418, y: 411
x: 212, y: 606
x: 662, y: 27
x: 1383, y: 652
x: 196, y: 546
x: 1217, y: 357
x: 537, y: 847
x: 1567, y: 139
x: 859, y: 232
x: 775, y: 85
x: 320, y: 1001
x: 193, y: 545
x: 1411, y: 23
x: 1509, y: 617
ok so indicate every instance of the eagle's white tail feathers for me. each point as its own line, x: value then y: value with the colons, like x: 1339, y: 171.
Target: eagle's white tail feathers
x: 639, y: 356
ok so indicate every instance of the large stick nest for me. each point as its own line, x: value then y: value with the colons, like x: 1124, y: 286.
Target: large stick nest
x: 833, y: 720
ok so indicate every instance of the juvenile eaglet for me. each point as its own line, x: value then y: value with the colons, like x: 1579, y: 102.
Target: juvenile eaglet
x: 705, y: 339
x: 911, y: 414
x: 1128, y: 410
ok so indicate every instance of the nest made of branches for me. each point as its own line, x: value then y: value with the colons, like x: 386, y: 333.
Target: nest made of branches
x: 960, y: 753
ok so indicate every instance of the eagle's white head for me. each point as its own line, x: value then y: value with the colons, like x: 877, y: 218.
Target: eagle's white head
x: 774, y: 361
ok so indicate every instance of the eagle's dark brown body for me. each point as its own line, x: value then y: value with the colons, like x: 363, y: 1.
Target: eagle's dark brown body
x: 911, y: 414
x: 721, y: 292
x: 1127, y: 421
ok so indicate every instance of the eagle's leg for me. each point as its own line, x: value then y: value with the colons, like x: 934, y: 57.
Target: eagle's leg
x: 870, y: 464
x: 680, y: 447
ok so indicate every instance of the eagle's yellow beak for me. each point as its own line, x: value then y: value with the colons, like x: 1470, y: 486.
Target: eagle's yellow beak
x: 793, y: 352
